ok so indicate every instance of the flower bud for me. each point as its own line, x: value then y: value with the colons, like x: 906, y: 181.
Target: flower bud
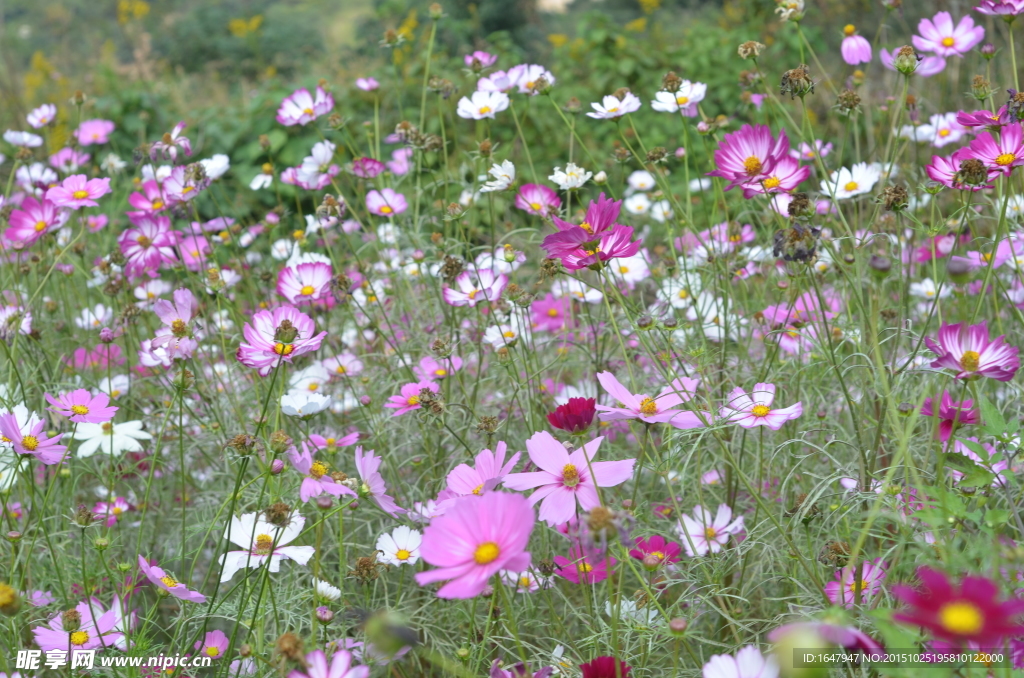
x: 678, y: 625
x: 435, y: 11
x: 905, y: 409
x: 988, y: 50
x: 101, y: 543
x: 959, y: 271
x: 280, y: 442
x: 324, y: 615
x: 324, y: 502
x: 276, y: 467
x: 601, y: 178
x: 906, y: 60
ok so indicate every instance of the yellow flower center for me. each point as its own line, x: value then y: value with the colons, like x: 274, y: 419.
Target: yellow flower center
x: 535, y: 205
x: 648, y: 407
x: 851, y: 186
x: 169, y: 581
x: 307, y: 111
x: 414, y: 400
x: 948, y: 42
x: 570, y: 476
x: 857, y: 586
x: 479, y: 489
x: 484, y: 110
x: 386, y: 209
x: 107, y: 427
x: 212, y: 651
x: 849, y: 30
x: 80, y: 195
x: 307, y: 290
x: 472, y: 294
x: 318, y: 469
x: 710, y: 532
x: 509, y: 335
x: 264, y: 544
x: 969, y: 361
x: 552, y: 312
x: 30, y: 443
x: 587, y: 227
x: 283, y: 349
x: 441, y: 372
x: 770, y: 182
x: 584, y: 567
x: 760, y: 411
x: 752, y: 166
x: 657, y: 554
x: 187, y: 189
x: 524, y: 581
x: 40, y: 226
x: 486, y: 553
x: 340, y: 369
x: 80, y: 409
x: 623, y: 269
x: 158, y: 204
x: 682, y: 101
x: 117, y: 510
x: 943, y: 133
x: 313, y: 386
x: 961, y: 618
x: 1005, y: 159
x: 79, y: 638
x: 404, y: 554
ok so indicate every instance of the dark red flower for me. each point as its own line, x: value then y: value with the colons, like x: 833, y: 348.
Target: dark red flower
x: 575, y: 416
x: 965, y: 613
x: 604, y: 667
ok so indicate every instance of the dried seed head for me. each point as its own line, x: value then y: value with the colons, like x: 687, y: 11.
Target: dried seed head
x: 797, y: 82
x: 671, y: 82
x: 290, y: 647
x: 751, y: 49
x: 278, y: 514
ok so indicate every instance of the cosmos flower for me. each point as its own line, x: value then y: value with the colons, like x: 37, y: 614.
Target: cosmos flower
x: 476, y: 538
x: 581, y: 567
x: 34, y: 219
x: 262, y: 542
x: 999, y: 155
x: 168, y: 583
x: 78, y: 191
x: 373, y: 485
x: 683, y: 101
x: 478, y: 60
x: 573, y: 177
x: 939, y: 36
x: 504, y: 176
x: 575, y: 416
x: 26, y: 437
x: 68, y: 160
x: 94, y: 628
x: 747, y: 663
x: 579, y: 249
x: 655, y: 551
x: 612, y: 107
x: 148, y: 244
x: 275, y: 337
x: 488, y: 471
x: 367, y: 84
x: 949, y: 411
x: 400, y: 547
x: 94, y: 131
x: 565, y: 479
x: 367, y: 168
x: 657, y: 410
x: 41, y: 116
x: 170, y: 143
x: 745, y: 156
x: 755, y: 409
x: 318, y: 480
x: 23, y: 139
x: 214, y: 644
x: 1004, y: 8
x: 853, y: 587
x: 471, y: 288
x: 946, y: 171
x: 304, y: 283
x: 109, y: 438
x: 482, y: 104
x: 301, y: 108
x: 386, y: 202
x: 527, y: 76
x: 408, y: 398
x: 341, y: 666
x: 969, y: 352
x: 702, y: 533
x: 81, y: 406
x: 855, y: 48
x: 848, y: 183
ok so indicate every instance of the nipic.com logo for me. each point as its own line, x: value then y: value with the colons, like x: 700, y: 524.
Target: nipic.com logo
x: 35, y: 660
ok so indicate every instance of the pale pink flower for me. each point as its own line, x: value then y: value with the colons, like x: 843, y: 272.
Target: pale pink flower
x: 755, y: 409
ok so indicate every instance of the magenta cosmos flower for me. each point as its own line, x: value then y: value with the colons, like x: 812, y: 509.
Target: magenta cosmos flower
x: 601, y: 216
x: 367, y: 168
x: 488, y: 472
x: 565, y: 479
x: 702, y: 533
x: 583, y: 568
x: 946, y: 171
x: 80, y: 405
x: 277, y: 336
x: 409, y: 397
x: 168, y: 583
x: 941, y: 37
x: 31, y: 440
x: 537, y: 199
x: 1000, y: 155
x: 655, y: 551
x: 78, y: 191
x: 473, y: 287
x: 1008, y: 9
x: 968, y: 351
x: 87, y: 627
x: 579, y: 249
x: 318, y: 481
x: 855, y: 48
x: 386, y: 202
x: 94, y: 132
x: 656, y: 410
x: 147, y: 245
x: 341, y: 666
x: 963, y: 413
x: 970, y: 612
x: 35, y: 219
x: 755, y: 409
x: 745, y: 156
x: 373, y: 486
x: 304, y: 283
x: 852, y: 587
x: 301, y: 108
x: 475, y: 539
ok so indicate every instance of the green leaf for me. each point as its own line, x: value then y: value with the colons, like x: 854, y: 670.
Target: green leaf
x: 961, y: 461
x: 996, y: 517
x: 978, y: 477
x: 977, y: 448
x: 991, y: 418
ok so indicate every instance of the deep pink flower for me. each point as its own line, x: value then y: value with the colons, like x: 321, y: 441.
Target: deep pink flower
x: 537, y: 199
x: 969, y: 352
x: 853, y: 587
x: 151, y: 199
x: 746, y: 156
x: 987, y: 119
x: 386, y: 202
x: 367, y: 168
x: 33, y: 220
x: 855, y: 48
x: 963, y: 413
x: 970, y: 612
x: 583, y: 568
x: 605, y: 667
x: 148, y: 245
x: 565, y: 479
x: 940, y: 36
x: 476, y: 538
x: 1000, y: 155
x: 277, y: 336
x: 657, y: 410
x: 577, y: 248
x: 601, y: 216
x: 94, y: 132
x: 317, y: 481
x: 473, y: 287
x: 489, y: 470
x: 373, y: 485
x: 168, y: 583
x: 31, y: 440
x: 409, y: 397
x: 755, y: 409
x: 305, y: 283
x: 575, y: 416
x: 96, y: 629
x: 655, y: 550
x: 946, y: 171
x: 80, y: 405
x: 78, y: 191
x: 550, y: 314
x: 300, y: 108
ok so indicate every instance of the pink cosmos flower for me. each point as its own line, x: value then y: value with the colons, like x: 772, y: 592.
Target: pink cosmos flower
x: 748, y: 663
x: 963, y: 413
x: 655, y: 551
x: 537, y: 199
x: 855, y: 48
x: 33, y: 220
x: 94, y: 132
x: 926, y: 67
x: 340, y: 666
x: 550, y: 314
x: 430, y: 368
x: 331, y: 442
x: 476, y: 538
x: 579, y: 249
x: 567, y: 479
x: 170, y: 143
x: 852, y: 587
x: 409, y: 398
x: 30, y: 439
x: 344, y: 364
x: 745, y: 156
x: 214, y: 645
x: 583, y: 568
x: 477, y: 61
x: 80, y: 405
x: 148, y: 245
x: 317, y: 481
x: 151, y: 199
x: 68, y: 160
x: 754, y: 410
x: 702, y: 533
x: 367, y: 84
x: 399, y: 163
x: 317, y: 168
x: 373, y: 485
x: 168, y: 583
x: 940, y: 36
x: 783, y: 177
x: 367, y: 168
x: 946, y: 171
x: 181, y: 187
x: 300, y: 108
x: 262, y: 542
x: 304, y: 283
x: 498, y: 81
x: 174, y: 340
x: 78, y: 191
x: 1004, y: 8
x: 488, y: 472
x: 1002, y: 155
x: 525, y: 77
x: 472, y: 288
x: 969, y: 352
x: 657, y: 410
x: 97, y: 628
x: 987, y: 119
x: 277, y: 336
x: 386, y: 202
x: 806, y: 152
x: 111, y: 511
x: 42, y: 116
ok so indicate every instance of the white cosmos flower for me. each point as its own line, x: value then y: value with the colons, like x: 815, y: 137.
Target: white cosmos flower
x: 679, y: 292
x: 661, y: 211
x: 94, y: 318
x: 304, y: 403
x: 26, y: 139
x: 612, y: 107
x: 309, y: 379
x: 482, y: 105
x: 574, y: 176
x: 261, y: 180
x: 504, y: 175
x: 564, y: 286
x: 1015, y: 207
x: 326, y: 591
x: 638, y: 203
x: 628, y: 609
x: 641, y: 180
x: 700, y: 184
x: 525, y: 581
x: 632, y: 269
x: 849, y: 183
x: 116, y: 386
x: 263, y: 542
x: 684, y: 100
x: 110, y: 438
x: 112, y: 164
x: 216, y: 167
x: 401, y: 547
x: 927, y: 289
